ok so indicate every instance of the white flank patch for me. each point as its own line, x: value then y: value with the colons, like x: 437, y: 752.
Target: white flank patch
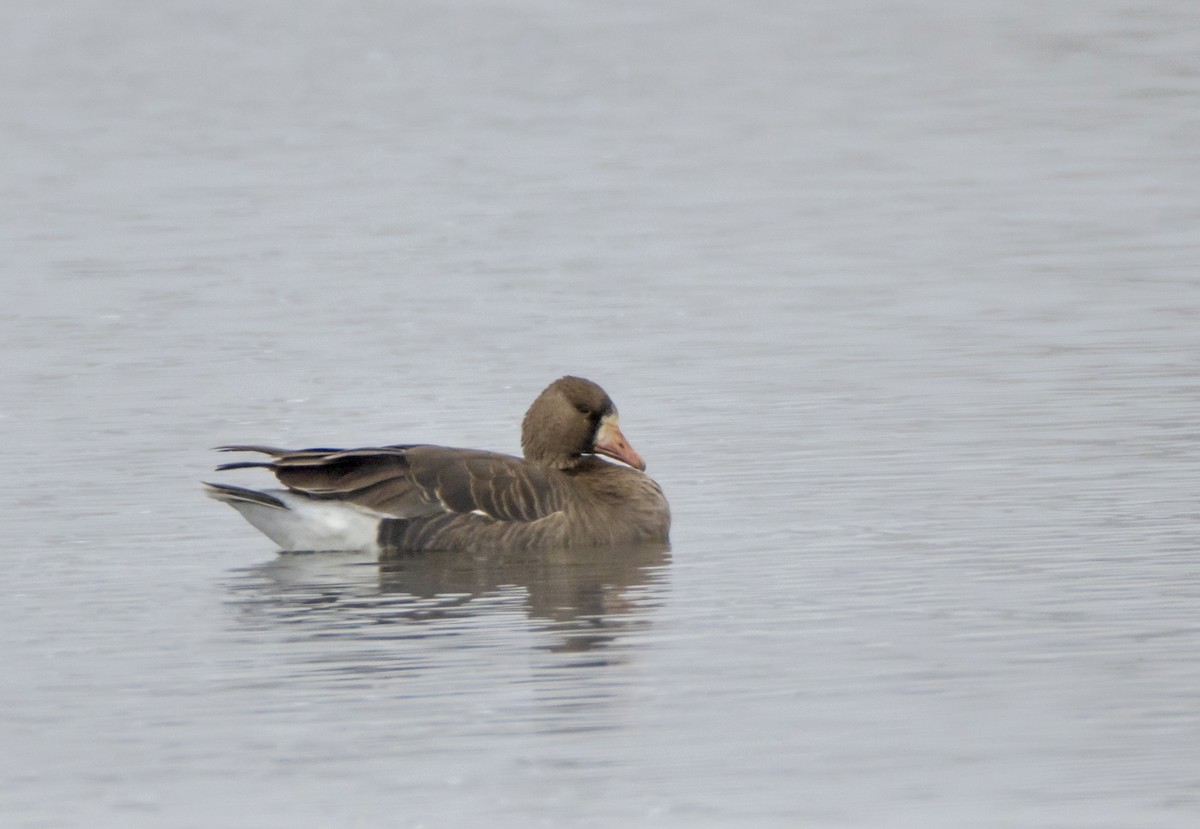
x: 308, y: 524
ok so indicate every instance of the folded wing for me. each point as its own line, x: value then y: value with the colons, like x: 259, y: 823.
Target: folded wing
x: 416, y: 481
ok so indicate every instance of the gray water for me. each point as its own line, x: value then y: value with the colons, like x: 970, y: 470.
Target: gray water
x: 899, y: 302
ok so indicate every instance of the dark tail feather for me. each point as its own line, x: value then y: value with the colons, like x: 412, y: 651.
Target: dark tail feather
x: 245, y: 465
x: 262, y: 450
x: 227, y: 493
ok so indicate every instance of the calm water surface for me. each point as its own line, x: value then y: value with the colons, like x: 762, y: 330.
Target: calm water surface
x: 898, y: 303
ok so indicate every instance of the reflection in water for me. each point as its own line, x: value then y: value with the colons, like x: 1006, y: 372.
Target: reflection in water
x: 578, y: 592
x: 472, y: 644
x: 585, y: 599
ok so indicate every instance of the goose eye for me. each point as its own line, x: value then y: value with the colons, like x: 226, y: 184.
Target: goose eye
x: 582, y: 409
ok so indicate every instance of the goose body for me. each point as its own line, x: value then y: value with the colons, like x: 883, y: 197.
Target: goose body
x: 414, y: 497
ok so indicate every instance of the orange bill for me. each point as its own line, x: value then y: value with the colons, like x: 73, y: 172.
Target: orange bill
x: 610, y: 442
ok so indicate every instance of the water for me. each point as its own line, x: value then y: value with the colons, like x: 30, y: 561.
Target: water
x: 898, y: 303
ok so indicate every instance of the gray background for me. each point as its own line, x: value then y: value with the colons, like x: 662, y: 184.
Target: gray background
x: 898, y: 300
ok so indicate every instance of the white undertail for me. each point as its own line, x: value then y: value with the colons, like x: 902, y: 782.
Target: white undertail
x: 298, y: 523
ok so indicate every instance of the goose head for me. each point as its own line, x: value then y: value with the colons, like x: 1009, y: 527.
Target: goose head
x: 572, y: 419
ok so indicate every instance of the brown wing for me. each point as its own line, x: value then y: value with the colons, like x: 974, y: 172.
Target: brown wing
x: 416, y: 481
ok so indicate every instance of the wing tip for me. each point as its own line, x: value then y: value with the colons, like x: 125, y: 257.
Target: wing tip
x: 227, y: 493
x: 244, y: 465
x: 247, y: 447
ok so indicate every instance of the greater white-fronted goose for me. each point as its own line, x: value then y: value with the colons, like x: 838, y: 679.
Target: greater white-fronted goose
x: 411, y: 498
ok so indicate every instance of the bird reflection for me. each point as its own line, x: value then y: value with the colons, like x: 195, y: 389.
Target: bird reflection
x: 584, y: 599
x: 582, y: 594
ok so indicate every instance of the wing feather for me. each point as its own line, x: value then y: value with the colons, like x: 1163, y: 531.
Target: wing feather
x: 412, y: 481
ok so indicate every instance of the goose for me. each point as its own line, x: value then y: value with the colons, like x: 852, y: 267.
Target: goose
x: 410, y: 498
